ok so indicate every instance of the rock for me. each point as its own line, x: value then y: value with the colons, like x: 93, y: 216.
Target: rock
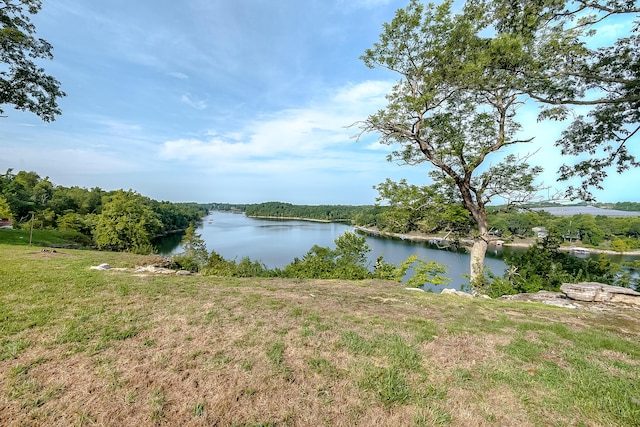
x: 448, y: 291
x: 183, y: 273
x: 625, y: 299
x: 100, y: 267
x: 414, y: 289
x: 545, y: 297
x: 539, y: 296
x: 599, y: 292
x: 153, y: 269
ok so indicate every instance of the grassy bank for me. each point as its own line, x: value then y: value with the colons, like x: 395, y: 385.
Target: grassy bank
x: 47, y: 238
x: 86, y: 347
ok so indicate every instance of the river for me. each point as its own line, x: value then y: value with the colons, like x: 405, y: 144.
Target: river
x: 276, y: 243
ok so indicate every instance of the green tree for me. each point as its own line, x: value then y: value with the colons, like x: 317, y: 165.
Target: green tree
x: 23, y: 83
x: 427, y: 274
x: 588, y: 229
x: 454, y: 108
x: 5, y: 209
x: 347, y: 261
x: 421, y: 208
x: 544, y: 267
x: 195, y: 253
x: 126, y: 223
x: 73, y: 221
x: 569, y: 64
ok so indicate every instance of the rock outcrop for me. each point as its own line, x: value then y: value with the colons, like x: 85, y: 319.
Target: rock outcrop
x: 143, y: 270
x: 599, y: 292
x: 455, y: 292
x: 546, y: 297
x: 573, y: 294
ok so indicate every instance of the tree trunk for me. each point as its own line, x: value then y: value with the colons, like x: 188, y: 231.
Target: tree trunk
x: 479, y: 248
x: 481, y: 241
x: 478, y: 251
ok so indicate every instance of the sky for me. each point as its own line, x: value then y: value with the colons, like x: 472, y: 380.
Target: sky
x: 242, y: 101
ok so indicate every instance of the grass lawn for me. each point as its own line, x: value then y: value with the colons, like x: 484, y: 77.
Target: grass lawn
x: 56, y: 238
x: 80, y: 347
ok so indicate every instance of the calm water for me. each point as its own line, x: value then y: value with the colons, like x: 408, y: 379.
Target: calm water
x: 276, y: 243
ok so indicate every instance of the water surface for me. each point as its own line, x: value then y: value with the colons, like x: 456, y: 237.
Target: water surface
x: 276, y: 243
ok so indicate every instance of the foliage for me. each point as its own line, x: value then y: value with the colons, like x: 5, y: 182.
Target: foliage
x: 425, y: 273
x: 343, y: 213
x: 425, y: 209
x: 23, y: 83
x: 126, y: 223
x: 625, y: 206
x: 453, y: 108
x: 5, y: 209
x: 347, y: 261
x: 568, y: 63
x: 195, y: 253
x: 544, y: 267
x: 218, y: 266
x: 78, y: 209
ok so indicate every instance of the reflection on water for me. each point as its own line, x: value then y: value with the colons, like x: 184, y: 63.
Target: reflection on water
x: 168, y: 244
x: 277, y: 243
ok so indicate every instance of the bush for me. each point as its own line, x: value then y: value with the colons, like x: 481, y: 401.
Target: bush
x: 543, y: 267
x: 185, y: 262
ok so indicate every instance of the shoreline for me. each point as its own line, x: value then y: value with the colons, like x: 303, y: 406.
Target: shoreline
x: 287, y: 218
x: 524, y: 244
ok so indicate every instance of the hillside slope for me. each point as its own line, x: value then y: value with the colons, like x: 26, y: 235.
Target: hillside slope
x: 119, y: 347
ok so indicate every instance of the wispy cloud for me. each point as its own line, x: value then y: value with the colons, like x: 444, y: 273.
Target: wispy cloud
x: 301, y: 137
x: 198, y: 104
x: 178, y: 75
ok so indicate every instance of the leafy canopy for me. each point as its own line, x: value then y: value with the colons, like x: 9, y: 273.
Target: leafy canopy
x: 569, y: 64
x: 126, y: 223
x: 23, y: 83
x: 454, y: 108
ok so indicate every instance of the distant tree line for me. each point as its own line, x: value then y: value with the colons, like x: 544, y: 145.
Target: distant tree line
x: 334, y: 213
x: 113, y: 220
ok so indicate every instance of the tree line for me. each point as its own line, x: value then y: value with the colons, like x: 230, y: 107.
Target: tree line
x: 113, y: 220
x: 334, y: 213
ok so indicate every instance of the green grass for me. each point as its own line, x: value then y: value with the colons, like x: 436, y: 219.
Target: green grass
x: 168, y: 350
x: 54, y: 238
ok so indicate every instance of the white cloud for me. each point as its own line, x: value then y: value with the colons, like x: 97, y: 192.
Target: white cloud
x: 371, y: 91
x: 292, y: 138
x: 178, y: 75
x: 198, y: 104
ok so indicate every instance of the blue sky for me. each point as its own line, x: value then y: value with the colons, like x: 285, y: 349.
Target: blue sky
x: 238, y: 101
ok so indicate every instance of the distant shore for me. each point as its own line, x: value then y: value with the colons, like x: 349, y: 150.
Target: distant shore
x: 288, y: 218
x: 415, y: 237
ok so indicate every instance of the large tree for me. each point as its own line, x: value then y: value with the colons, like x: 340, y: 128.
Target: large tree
x: 572, y: 64
x: 126, y: 223
x: 454, y: 108
x: 23, y: 83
